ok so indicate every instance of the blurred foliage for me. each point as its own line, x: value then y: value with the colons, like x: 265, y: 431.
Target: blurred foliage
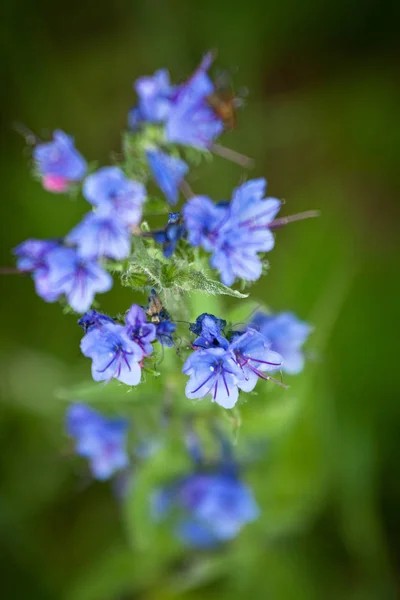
x: 321, y: 121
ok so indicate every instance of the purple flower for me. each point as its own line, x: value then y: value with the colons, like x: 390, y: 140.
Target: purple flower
x: 154, y: 93
x: 286, y: 334
x: 253, y: 355
x: 78, y: 279
x: 191, y: 121
x: 115, y: 195
x: 99, y: 439
x: 209, y: 329
x: 213, y: 371
x: 98, y: 236
x: 234, y: 232
x: 203, y: 221
x: 168, y: 171
x: 139, y: 330
x: 93, y: 319
x: 114, y: 354
x: 59, y: 162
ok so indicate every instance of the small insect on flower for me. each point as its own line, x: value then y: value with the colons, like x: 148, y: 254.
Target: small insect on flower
x: 162, y: 319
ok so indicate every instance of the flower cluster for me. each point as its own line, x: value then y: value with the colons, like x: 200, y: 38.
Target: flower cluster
x: 185, y: 117
x: 170, y: 127
x: 73, y: 266
x: 212, y: 502
x: 235, y: 232
x: 221, y: 368
x: 116, y: 350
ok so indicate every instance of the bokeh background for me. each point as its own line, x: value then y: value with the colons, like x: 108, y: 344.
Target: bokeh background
x: 322, y: 123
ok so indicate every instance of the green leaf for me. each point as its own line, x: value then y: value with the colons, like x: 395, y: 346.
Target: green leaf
x: 170, y: 275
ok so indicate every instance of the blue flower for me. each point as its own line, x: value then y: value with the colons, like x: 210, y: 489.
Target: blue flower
x: 98, y: 236
x: 170, y: 236
x: 155, y: 94
x: 286, y: 334
x: 218, y: 506
x: 114, y: 354
x: 59, y: 162
x: 209, y: 329
x: 191, y: 121
x: 164, y: 331
x: 93, y: 319
x: 212, y: 503
x: 75, y: 277
x: 213, y: 371
x: 115, y: 195
x: 203, y: 222
x: 32, y: 258
x: 139, y: 330
x: 99, y: 439
x: 234, y: 232
x: 254, y: 356
x: 168, y: 171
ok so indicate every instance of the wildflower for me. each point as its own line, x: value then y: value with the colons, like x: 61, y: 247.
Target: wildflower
x: 213, y: 371
x: 213, y: 504
x: 164, y: 331
x: 191, y: 120
x: 155, y: 95
x: 203, y: 220
x: 169, y: 237
x: 114, y: 354
x: 115, y: 195
x: 101, y: 440
x: 234, y: 232
x: 139, y: 330
x: 168, y: 171
x: 209, y: 329
x: 98, y: 236
x: 219, y: 505
x: 59, y: 162
x: 93, y: 319
x: 32, y: 258
x: 286, y: 334
x: 253, y: 355
x: 75, y: 277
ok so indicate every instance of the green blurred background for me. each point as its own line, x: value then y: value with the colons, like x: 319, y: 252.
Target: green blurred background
x: 322, y: 123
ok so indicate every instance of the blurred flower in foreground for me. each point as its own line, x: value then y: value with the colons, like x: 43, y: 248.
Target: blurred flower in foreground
x: 59, y: 162
x: 287, y: 334
x: 100, y: 439
x: 212, y: 503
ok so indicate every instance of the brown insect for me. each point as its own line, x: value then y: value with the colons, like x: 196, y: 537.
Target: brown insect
x: 224, y: 102
x: 155, y: 308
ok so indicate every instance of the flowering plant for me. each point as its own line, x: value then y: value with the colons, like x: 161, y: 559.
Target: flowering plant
x: 204, y: 249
